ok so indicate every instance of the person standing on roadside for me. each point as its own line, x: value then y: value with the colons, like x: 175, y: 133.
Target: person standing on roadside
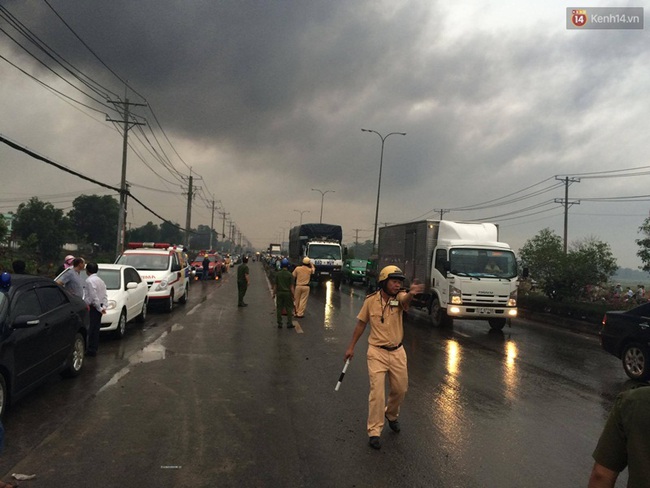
x: 624, y: 442
x: 72, y: 280
x: 205, y: 274
x: 383, y: 309
x: 283, y: 291
x: 242, y: 282
x: 302, y: 275
x: 97, y: 300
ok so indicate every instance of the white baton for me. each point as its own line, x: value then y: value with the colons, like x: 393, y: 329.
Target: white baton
x: 338, y: 383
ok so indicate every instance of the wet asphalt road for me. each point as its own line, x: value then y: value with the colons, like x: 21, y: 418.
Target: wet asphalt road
x: 215, y: 395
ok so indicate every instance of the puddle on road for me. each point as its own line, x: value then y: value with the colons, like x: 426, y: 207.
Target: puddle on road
x: 152, y: 352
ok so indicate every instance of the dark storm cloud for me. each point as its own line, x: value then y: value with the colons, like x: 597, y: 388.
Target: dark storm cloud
x: 281, y: 89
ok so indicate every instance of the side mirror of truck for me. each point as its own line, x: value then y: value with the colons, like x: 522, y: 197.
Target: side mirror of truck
x: 525, y: 273
x: 446, y: 266
x: 345, y: 252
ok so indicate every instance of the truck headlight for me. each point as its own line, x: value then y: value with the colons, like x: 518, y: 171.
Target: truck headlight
x: 455, y: 295
x: 512, y: 301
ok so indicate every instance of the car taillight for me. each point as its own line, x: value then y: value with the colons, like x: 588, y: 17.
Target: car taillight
x: 604, y: 320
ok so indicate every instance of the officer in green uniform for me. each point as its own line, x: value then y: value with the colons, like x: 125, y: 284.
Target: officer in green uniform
x: 624, y: 442
x: 242, y: 281
x: 283, y: 290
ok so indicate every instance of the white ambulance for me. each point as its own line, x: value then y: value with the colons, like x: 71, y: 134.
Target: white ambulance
x: 164, y: 267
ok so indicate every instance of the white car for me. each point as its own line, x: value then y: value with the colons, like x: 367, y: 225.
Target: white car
x: 127, y: 297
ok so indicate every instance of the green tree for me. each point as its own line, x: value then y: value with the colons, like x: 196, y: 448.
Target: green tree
x: 594, y: 259
x: 201, y: 239
x: 644, y: 245
x: 4, y: 229
x: 94, y: 219
x: 149, y: 232
x: 41, y: 225
x: 543, y: 255
x: 588, y: 262
x: 171, y: 233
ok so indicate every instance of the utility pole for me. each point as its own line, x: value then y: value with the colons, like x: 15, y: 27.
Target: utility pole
x: 442, y: 211
x: 126, y: 124
x: 212, y: 225
x: 223, y: 214
x: 356, y: 236
x: 566, y: 204
x: 188, y: 215
x: 231, y: 224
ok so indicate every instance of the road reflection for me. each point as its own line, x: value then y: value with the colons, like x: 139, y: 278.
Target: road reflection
x: 448, y: 408
x: 510, y: 370
x: 329, y: 306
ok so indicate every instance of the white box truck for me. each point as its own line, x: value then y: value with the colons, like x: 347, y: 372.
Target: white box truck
x: 466, y: 271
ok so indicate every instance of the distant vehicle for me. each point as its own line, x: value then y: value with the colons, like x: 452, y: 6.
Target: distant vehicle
x: 275, y: 250
x: 626, y: 335
x: 215, y: 267
x: 321, y: 243
x: 127, y: 297
x: 43, y: 331
x: 354, y: 271
x: 165, y: 269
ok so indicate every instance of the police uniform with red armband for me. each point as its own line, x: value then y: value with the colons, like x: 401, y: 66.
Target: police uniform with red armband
x: 386, y: 356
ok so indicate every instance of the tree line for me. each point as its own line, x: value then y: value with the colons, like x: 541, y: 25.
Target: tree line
x: 91, y: 223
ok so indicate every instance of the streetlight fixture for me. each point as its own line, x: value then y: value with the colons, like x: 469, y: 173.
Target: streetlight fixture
x: 322, y: 198
x: 301, y: 212
x: 381, y: 163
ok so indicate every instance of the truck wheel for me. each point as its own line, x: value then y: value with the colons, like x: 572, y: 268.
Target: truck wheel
x: 497, y: 324
x: 439, y: 317
x: 636, y: 361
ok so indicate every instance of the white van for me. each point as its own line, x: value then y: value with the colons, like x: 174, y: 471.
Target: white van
x: 165, y: 268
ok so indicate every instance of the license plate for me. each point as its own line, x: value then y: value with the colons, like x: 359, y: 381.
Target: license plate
x: 325, y: 273
x: 485, y: 311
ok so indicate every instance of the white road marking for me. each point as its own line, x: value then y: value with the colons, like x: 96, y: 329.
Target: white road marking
x: 194, y: 309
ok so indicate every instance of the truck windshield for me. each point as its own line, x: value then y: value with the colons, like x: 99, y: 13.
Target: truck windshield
x: 324, y: 251
x: 483, y: 262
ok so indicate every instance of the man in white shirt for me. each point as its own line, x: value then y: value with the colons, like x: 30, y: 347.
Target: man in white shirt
x: 97, y: 300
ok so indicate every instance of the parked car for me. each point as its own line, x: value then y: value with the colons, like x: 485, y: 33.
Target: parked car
x: 127, y: 297
x: 354, y: 271
x: 626, y: 335
x: 43, y: 332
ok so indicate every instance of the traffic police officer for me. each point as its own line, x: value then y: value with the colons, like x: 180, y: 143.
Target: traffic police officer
x: 386, y: 356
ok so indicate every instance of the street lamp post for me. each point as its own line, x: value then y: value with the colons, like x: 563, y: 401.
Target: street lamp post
x: 381, y: 163
x: 322, y: 198
x: 301, y: 212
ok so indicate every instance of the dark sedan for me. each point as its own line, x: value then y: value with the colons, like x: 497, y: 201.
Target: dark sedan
x: 626, y: 335
x: 43, y: 331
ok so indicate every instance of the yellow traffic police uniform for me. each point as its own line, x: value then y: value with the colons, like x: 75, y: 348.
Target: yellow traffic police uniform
x: 302, y: 274
x: 386, y: 356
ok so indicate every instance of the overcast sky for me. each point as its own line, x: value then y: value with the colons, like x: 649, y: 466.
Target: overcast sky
x: 265, y: 100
